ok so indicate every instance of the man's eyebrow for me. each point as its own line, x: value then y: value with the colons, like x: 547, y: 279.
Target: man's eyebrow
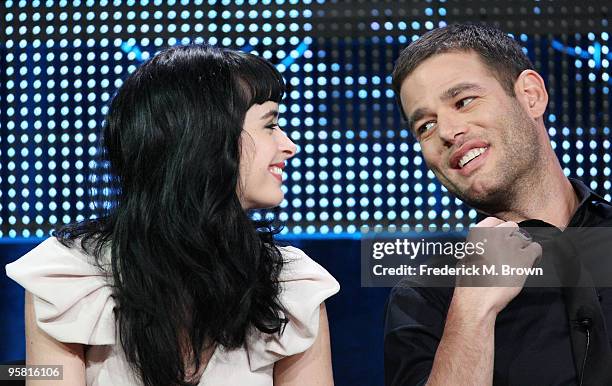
x: 458, y: 89
x: 416, y: 116
x: 269, y: 114
x: 450, y: 93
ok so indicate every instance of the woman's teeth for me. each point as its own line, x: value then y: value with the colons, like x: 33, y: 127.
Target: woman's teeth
x: 276, y: 170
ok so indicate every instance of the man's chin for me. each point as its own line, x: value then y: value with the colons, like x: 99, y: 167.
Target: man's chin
x: 475, y: 190
x: 478, y: 191
x: 488, y: 199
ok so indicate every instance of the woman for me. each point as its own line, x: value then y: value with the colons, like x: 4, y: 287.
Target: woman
x: 176, y: 285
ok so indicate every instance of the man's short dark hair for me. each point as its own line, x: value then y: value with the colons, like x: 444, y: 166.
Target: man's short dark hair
x: 501, y: 54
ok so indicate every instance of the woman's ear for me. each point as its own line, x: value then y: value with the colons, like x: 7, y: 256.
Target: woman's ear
x: 531, y: 92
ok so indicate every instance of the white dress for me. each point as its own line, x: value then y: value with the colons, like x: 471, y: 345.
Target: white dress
x: 73, y: 304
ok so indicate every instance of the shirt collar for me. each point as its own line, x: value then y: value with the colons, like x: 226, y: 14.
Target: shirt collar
x: 583, y: 192
x: 585, y: 197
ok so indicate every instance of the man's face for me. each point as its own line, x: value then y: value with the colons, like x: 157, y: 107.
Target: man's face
x: 478, y: 140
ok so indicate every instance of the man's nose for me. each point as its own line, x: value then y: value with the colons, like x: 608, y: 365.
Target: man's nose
x: 451, y: 127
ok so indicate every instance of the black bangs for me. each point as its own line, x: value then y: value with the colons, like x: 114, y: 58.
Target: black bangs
x: 258, y: 79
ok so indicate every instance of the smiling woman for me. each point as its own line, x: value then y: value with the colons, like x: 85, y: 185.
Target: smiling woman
x: 264, y: 149
x: 175, y: 285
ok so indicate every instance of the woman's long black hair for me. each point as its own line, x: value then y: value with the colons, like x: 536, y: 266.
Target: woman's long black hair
x: 190, y: 269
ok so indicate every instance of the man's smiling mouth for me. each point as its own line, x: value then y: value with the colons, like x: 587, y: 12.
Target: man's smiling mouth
x: 471, y: 155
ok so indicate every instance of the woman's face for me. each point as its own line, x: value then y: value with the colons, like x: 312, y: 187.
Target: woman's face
x: 264, y: 150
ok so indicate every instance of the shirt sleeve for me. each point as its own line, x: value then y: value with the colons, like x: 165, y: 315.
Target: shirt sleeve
x: 414, y: 323
x: 71, y: 296
x: 73, y: 300
x: 304, y: 286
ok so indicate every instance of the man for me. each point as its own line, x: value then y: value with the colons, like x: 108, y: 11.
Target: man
x: 476, y: 106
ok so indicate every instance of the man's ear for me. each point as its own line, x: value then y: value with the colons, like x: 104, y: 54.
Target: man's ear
x: 531, y: 92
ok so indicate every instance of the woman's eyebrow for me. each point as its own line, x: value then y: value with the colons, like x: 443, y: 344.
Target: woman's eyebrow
x: 271, y: 113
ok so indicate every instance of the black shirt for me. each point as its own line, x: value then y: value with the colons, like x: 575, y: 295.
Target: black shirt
x: 540, y: 337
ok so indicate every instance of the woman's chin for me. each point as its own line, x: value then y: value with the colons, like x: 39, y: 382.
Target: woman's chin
x: 264, y: 204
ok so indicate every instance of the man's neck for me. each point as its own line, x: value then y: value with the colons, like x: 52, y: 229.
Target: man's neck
x: 551, y: 198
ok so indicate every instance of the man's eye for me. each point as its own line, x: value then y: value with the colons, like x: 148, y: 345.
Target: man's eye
x: 426, y: 127
x: 464, y: 102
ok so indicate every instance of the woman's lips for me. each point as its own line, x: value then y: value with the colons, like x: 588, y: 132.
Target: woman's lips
x: 277, y: 170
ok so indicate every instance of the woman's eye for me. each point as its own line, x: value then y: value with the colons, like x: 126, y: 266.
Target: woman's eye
x: 464, y: 102
x: 272, y: 126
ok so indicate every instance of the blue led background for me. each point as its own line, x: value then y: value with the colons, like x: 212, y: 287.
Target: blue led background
x: 358, y: 167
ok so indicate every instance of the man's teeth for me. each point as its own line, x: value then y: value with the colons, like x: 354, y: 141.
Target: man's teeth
x: 276, y: 170
x: 470, y: 155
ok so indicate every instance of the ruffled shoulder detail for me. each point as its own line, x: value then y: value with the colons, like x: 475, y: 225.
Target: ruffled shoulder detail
x: 304, y: 286
x: 72, y: 297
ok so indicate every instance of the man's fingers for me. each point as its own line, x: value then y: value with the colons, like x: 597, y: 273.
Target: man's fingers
x: 507, y: 224
x: 534, y: 250
x: 490, y: 222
